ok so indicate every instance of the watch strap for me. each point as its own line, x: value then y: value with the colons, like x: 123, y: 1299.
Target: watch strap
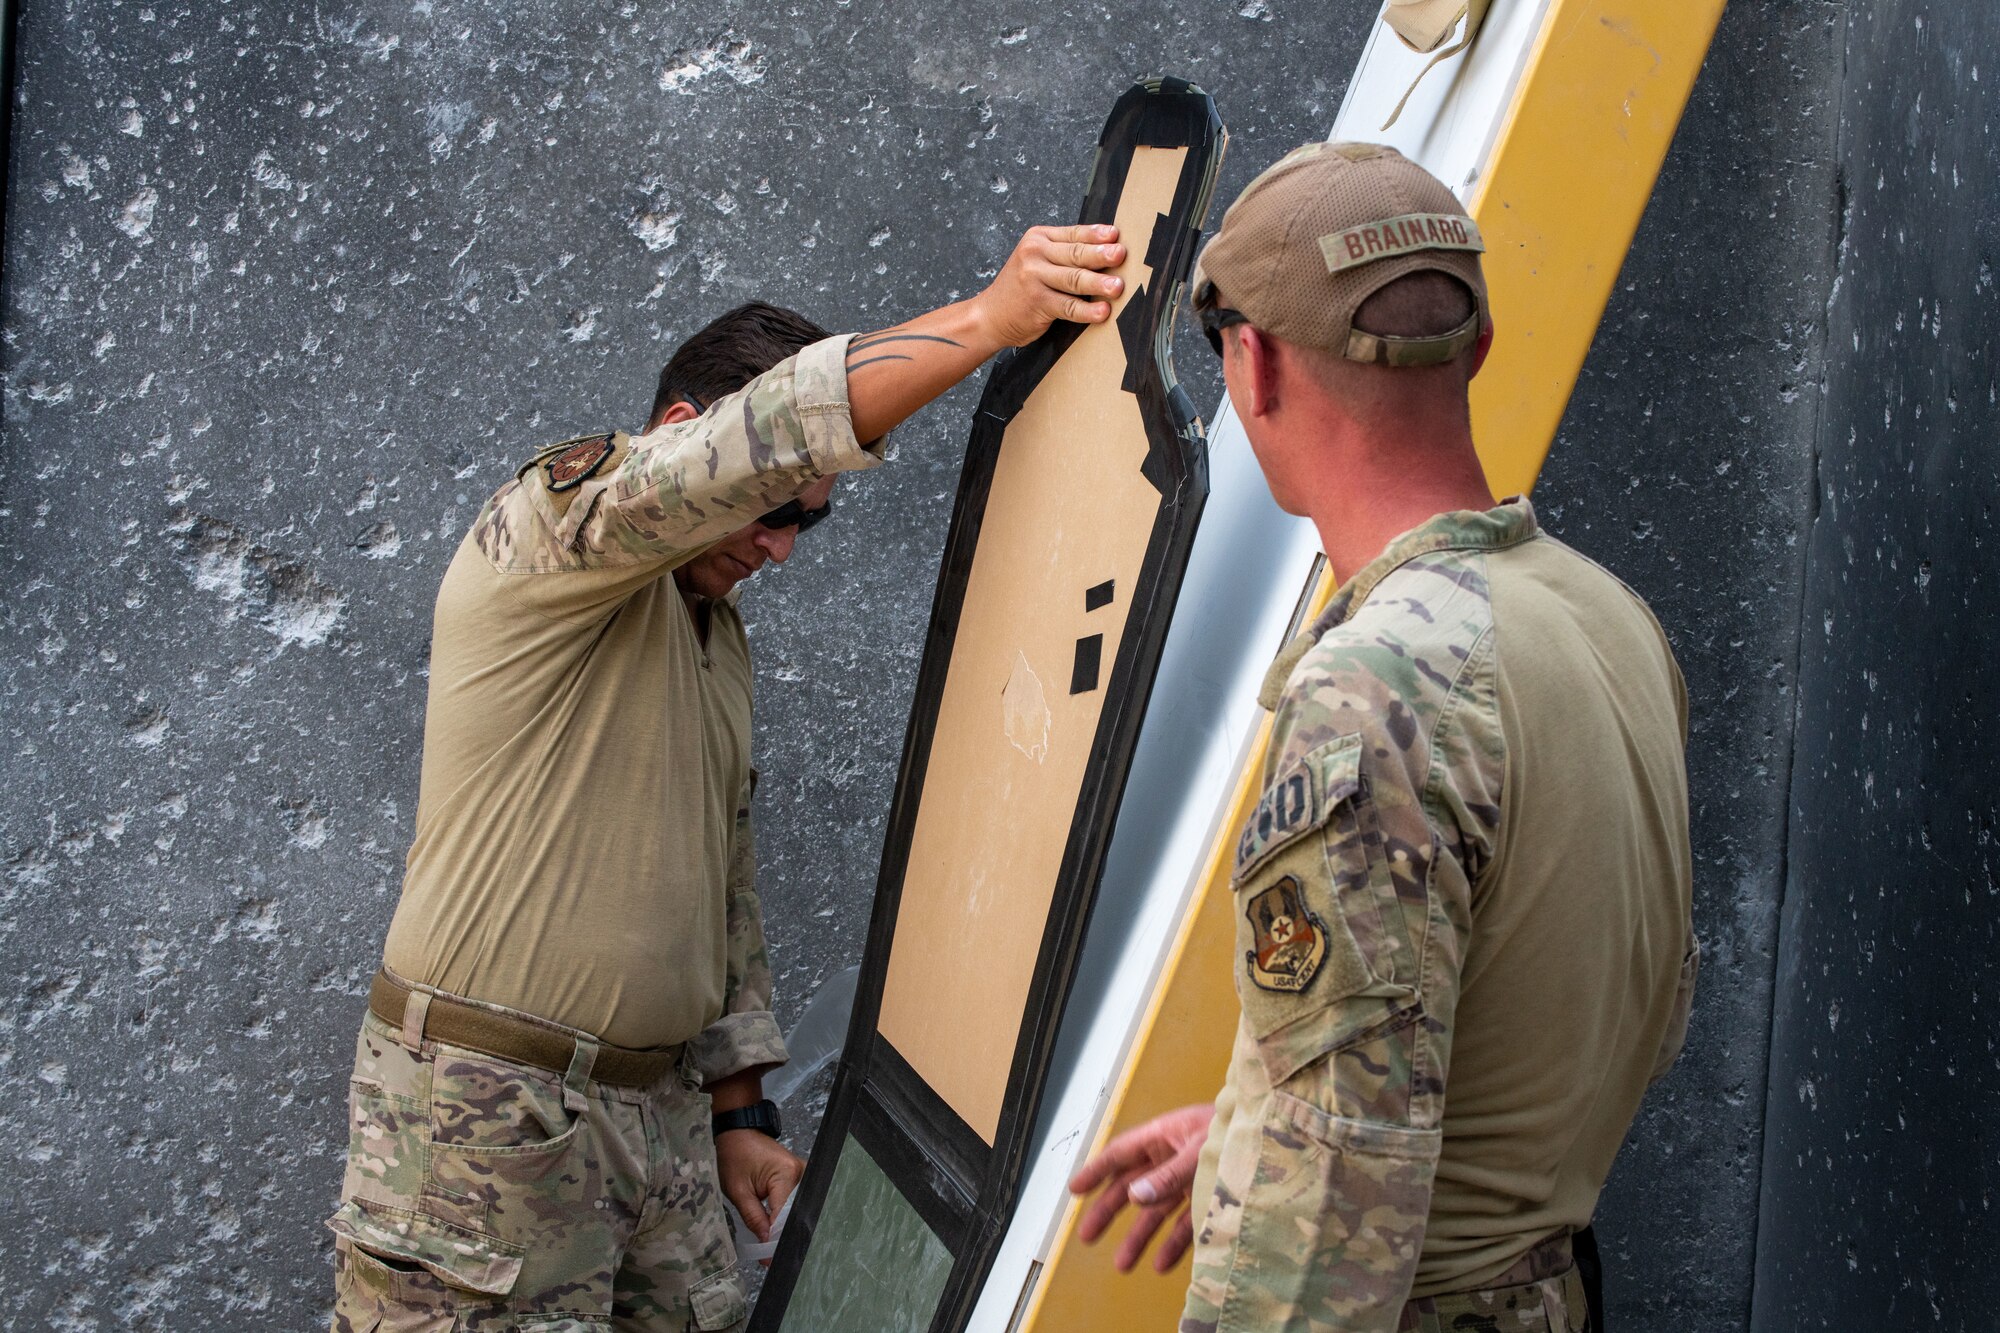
x: 760, y: 1116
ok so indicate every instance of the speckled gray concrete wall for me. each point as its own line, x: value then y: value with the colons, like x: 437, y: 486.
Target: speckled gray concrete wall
x: 290, y: 288
x: 1882, y: 1165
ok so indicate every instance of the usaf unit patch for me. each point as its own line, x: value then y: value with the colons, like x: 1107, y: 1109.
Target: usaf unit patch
x: 578, y: 462
x: 1290, y: 939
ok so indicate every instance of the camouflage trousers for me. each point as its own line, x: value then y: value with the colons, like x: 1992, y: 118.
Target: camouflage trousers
x: 484, y: 1195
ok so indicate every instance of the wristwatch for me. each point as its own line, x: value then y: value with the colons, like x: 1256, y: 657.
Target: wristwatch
x: 760, y: 1116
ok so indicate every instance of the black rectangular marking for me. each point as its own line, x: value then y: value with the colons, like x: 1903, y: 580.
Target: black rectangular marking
x: 1100, y: 595
x: 1089, y: 657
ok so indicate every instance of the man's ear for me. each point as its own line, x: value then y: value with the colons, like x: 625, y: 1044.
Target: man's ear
x: 673, y: 416
x: 1480, y: 349
x: 1259, y: 371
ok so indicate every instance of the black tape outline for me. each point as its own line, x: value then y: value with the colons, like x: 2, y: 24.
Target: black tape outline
x: 963, y: 1189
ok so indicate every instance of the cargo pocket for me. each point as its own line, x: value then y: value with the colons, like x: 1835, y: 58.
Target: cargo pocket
x: 1317, y: 917
x: 390, y: 1296
x: 500, y: 1144
x: 1333, y: 1216
x: 718, y: 1301
x: 406, y: 1272
x: 483, y: 1104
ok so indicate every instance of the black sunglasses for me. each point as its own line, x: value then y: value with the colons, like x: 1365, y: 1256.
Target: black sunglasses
x: 1214, y: 319
x: 792, y: 514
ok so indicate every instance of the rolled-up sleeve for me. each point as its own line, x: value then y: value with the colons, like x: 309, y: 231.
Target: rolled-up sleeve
x: 826, y: 419
x: 746, y: 1036
x: 683, y: 486
x: 655, y: 500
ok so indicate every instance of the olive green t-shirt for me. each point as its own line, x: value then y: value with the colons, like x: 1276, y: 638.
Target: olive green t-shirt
x: 1463, y: 937
x: 582, y: 848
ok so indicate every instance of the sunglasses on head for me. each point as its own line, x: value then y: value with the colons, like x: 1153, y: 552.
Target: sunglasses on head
x: 792, y: 514
x: 1214, y: 319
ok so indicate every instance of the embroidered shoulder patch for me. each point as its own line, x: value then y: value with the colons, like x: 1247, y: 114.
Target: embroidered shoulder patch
x: 1289, y: 939
x: 577, y: 461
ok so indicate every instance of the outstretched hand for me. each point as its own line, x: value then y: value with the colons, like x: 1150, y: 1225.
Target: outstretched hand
x: 1152, y: 1167
x: 1054, y: 273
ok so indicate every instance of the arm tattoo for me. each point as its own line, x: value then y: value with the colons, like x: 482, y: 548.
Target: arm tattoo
x: 853, y: 366
x: 868, y: 340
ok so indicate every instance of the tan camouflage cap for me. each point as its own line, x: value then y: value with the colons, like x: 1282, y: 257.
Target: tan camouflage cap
x: 1326, y: 227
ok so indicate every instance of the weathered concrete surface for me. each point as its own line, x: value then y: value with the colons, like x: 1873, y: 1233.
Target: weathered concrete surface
x: 289, y: 292
x: 1684, y: 464
x: 1882, y: 1165
x: 290, y: 288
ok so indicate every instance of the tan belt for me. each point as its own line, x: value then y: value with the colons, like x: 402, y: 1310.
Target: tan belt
x: 518, y: 1038
x: 1552, y: 1304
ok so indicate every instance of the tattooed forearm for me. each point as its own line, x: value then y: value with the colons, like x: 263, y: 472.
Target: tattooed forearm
x: 1052, y: 274
x: 929, y: 354
x: 869, y: 342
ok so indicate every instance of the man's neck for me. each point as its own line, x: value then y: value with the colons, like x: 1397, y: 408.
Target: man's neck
x: 697, y: 609
x: 1384, y: 492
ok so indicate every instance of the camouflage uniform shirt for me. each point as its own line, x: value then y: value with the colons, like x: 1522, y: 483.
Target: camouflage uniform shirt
x: 582, y: 848
x: 1468, y: 871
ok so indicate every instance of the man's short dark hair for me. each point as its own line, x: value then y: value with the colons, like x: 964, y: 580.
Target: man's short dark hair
x: 730, y: 351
